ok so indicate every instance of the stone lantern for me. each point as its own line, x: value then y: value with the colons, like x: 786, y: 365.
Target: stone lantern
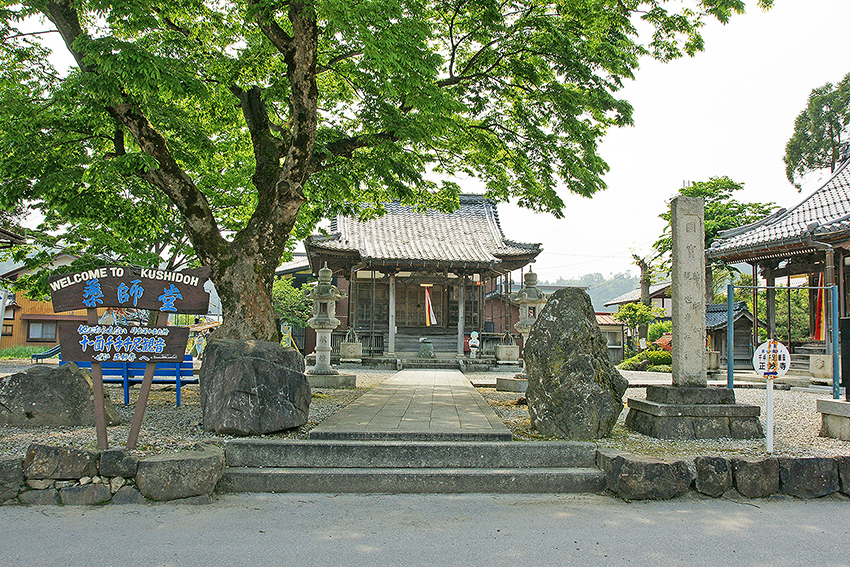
x: 323, y: 321
x: 530, y: 301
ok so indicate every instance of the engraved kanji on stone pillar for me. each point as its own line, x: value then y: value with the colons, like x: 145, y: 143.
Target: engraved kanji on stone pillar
x: 688, y: 229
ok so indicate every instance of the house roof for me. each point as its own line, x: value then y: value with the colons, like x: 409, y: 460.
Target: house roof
x: 9, y: 239
x: 716, y: 315
x: 469, y: 238
x: 607, y: 319
x: 784, y: 232
x: 299, y: 263
x: 658, y: 290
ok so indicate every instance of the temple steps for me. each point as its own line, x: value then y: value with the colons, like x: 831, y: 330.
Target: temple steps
x: 410, y: 467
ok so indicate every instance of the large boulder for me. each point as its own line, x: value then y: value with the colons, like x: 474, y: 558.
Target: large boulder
x: 11, y: 477
x: 252, y: 387
x: 49, y: 395
x: 573, y: 390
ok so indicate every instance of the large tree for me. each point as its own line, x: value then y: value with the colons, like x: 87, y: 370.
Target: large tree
x: 819, y: 131
x: 256, y: 118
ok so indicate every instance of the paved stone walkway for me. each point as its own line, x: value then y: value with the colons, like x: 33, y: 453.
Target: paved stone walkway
x: 417, y: 405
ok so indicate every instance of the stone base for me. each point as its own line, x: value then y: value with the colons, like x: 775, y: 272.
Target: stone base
x: 678, y: 412
x: 512, y: 384
x: 336, y: 381
x: 835, y: 419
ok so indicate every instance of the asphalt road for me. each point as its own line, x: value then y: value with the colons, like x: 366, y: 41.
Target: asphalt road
x: 434, y: 531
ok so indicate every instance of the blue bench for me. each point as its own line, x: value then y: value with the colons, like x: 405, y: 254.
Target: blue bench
x: 46, y: 354
x: 126, y: 373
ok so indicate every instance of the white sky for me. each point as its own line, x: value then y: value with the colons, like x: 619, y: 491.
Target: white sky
x: 728, y: 111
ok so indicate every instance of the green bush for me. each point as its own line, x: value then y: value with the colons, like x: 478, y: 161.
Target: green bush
x: 23, y: 352
x: 647, y: 358
x: 657, y: 329
x: 660, y: 368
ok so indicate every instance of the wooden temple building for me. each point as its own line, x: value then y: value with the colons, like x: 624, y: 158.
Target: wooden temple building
x: 413, y: 276
x: 811, y: 239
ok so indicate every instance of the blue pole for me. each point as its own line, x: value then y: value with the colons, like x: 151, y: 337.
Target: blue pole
x: 835, y: 347
x: 730, y: 337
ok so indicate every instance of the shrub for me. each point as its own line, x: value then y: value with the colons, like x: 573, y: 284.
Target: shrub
x: 657, y: 329
x: 646, y: 358
x: 658, y: 357
x: 661, y: 368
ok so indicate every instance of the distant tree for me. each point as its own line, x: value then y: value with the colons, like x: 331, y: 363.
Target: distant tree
x: 722, y: 212
x: 633, y: 315
x: 819, y: 131
x: 290, y: 306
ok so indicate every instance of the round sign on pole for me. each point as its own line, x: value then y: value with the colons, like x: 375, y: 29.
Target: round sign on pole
x: 771, y: 360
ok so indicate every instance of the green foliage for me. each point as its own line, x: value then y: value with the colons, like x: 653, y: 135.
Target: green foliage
x: 632, y: 315
x: 258, y: 120
x: 22, y: 352
x: 819, y: 131
x: 660, y: 368
x: 647, y: 359
x: 657, y: 329
x: 799, y: 309
x: 290, y: 305
x: 722, y: 212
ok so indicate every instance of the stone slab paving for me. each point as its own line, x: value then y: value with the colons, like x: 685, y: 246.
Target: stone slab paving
x: 417, y: 405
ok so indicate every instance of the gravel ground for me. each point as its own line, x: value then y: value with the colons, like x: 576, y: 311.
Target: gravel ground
x: 167, y: 428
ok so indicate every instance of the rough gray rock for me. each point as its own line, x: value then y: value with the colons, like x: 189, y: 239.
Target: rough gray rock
x: 713, y: 475
x: 252, y: 388
x: 640, y: 478
x: 11, y: 477
x: 573, y: 390
x: 756, y: 479
x: 118, y: 462
x: 88, y: 495
x: 59, y: 463
x: 844, y: 474
x: 810, y: 477
x: 180, y: 475
x: 128, y: 495
x: 50, y: 395
x: 48, y: 497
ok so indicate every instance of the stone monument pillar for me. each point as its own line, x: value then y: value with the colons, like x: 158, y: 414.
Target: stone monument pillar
x: 689, y: 409
x: 688, y: 291
x: 324, y: 321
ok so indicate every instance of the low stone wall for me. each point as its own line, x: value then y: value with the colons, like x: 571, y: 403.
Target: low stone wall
x: 635, y: 477
x: 59, y: 475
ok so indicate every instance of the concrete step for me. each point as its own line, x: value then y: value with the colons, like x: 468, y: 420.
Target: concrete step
x: 408, y: 454
x: 410, y: 467
x: 410, y: 481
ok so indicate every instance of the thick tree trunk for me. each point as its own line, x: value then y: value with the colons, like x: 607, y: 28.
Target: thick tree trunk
x: 246, y: 298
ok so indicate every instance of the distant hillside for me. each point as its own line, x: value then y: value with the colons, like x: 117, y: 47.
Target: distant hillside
x: 601, y: 289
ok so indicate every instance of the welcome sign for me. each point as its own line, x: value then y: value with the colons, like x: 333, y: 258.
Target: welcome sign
x: 132, y: 287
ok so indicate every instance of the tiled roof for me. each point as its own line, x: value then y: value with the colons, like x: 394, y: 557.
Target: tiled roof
x: 716, y: 314
x: 786, y: 230
x: 607, y: 319
x: 656, y: 290
x: 469, y: 235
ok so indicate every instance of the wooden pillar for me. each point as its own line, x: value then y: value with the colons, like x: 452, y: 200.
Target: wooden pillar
x: 460, y: 314
x: 391, y: 307
x: 771, y: 301
x: 755, y: 304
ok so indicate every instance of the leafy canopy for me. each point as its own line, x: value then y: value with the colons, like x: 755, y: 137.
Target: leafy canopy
x: 722, y: 212
x: 258, y: 118
x: 634, y: 315
x: 819, y: 131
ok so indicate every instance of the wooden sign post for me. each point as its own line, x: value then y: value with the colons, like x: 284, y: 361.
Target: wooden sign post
x: 125, y: 286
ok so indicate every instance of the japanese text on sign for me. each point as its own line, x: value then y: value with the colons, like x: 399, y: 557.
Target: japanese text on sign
x: 141, y: 288
x: 771, y: 360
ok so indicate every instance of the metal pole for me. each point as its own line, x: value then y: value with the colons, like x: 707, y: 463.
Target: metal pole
x: 835, y: 349
x: 730, y: 337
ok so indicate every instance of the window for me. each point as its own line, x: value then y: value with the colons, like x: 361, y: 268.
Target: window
x: 7, y: 329
x: 41, y: 331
